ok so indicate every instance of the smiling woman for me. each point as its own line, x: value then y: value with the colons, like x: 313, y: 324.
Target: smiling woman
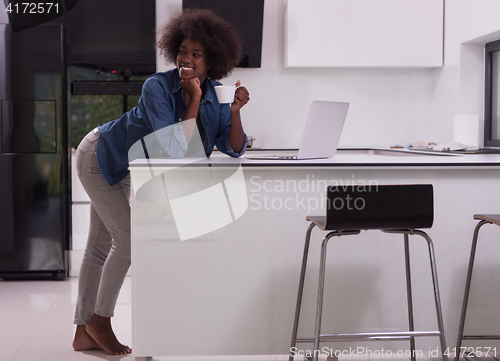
x: 221, y: 41
x: 205, y: 48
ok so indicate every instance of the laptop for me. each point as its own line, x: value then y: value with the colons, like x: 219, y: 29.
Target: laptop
x: 322, y: 132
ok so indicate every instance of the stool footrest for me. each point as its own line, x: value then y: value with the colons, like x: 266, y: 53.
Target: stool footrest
x: 370, y: 336
x: 481, y: 337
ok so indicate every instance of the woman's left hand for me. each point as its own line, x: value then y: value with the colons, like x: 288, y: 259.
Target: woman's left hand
x: 241, y: 97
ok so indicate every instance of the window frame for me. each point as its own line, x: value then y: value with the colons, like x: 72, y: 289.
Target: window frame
x: 489, y: 49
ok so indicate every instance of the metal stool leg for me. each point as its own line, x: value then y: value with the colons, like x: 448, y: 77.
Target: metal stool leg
x: 321, y: 286
x: 300, y: 291
x: 467, y: 289
x: 409, y: 295
x: 437, y: 298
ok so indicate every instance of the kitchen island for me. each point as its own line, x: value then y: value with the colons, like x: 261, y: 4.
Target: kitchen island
x: 229, y: 288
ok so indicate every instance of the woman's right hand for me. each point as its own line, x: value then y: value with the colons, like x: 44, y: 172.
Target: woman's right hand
x: 192, y: 92
x: 192, y: 87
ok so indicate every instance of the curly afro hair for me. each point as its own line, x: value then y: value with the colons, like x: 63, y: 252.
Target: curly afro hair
x: 221, y: 40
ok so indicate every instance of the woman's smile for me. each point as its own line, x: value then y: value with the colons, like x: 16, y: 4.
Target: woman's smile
x: 185, y: 71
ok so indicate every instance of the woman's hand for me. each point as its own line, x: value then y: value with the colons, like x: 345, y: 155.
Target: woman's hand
x: 241, y: 97
x: 236, y: 135
x: 192, y: 93
x: 192, y: 87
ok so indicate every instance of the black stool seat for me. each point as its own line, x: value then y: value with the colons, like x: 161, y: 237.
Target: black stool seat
x: 484, y: 219
x: 392, y: 209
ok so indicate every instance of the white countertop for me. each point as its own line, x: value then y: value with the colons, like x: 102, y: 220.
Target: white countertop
x: 345, y: 158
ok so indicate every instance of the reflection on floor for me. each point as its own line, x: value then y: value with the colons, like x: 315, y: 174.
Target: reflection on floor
x: 36, y: 323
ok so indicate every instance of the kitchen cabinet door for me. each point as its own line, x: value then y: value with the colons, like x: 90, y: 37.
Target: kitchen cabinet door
x: 363, y: 33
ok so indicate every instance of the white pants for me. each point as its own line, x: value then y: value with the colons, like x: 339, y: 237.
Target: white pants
x: 107, y: 255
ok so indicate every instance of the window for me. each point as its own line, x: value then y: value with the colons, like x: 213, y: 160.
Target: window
x: 492, y: 95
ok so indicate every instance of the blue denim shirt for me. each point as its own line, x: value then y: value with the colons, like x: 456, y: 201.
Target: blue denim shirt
x: 162, y: 104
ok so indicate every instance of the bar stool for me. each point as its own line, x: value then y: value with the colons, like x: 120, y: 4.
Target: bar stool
x: 396, y: 209
x: 484, y: 219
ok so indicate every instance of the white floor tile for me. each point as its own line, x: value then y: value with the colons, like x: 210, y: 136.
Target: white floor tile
x: 10, y: 343
x: 36, y: 321
x: 44, y: 348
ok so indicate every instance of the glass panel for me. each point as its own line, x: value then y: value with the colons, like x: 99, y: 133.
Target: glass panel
x: 44, y: 124
x: 88, y: 111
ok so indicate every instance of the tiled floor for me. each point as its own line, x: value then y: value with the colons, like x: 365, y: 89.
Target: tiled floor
x: 36, y: 323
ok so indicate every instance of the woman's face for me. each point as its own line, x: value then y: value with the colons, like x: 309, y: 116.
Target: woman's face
x: 191, y: 60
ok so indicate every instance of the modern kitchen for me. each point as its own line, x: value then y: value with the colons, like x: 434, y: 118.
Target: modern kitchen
x: 420, y: 79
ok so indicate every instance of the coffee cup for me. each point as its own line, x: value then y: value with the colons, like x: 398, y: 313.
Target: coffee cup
x: 225, y: 93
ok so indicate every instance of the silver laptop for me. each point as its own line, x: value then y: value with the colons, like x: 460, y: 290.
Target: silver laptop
x: 322, y: 132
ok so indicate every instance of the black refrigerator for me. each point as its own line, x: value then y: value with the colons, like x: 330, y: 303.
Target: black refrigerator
x: 65, y: 67
x: 33, y: 158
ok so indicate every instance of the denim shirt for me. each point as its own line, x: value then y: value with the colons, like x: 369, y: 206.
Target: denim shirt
x: 161, y: 105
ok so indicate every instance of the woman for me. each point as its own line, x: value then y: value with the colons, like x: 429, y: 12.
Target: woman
x: 204, y: 48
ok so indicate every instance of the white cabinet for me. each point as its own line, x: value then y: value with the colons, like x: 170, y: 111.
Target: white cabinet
x: 78, y: 194
x: 80, y: 209
x: 80, y: 220
x: 363, y: 33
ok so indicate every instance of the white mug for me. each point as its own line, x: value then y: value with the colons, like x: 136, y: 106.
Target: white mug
x: 225, y: 93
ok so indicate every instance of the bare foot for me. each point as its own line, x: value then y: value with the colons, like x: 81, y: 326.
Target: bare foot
x: 99, y: 328
x: 83, y: 341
